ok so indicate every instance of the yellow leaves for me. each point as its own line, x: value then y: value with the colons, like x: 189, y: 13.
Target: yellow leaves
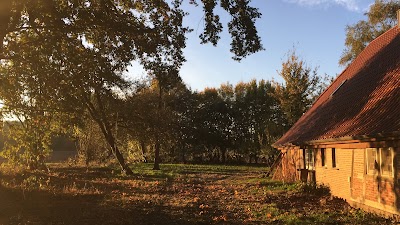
x: 203, y: 206
x: 204, y: 209
x: 139, y: 6
x: 220, y: 218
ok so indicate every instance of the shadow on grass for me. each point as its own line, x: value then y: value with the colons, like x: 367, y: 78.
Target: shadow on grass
x: 98, y: 196
x: 46, y: 208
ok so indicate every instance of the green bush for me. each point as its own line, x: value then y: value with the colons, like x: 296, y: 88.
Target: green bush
x: 314, y: 189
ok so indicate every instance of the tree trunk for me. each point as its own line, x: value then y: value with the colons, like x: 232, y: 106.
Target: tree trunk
x: 223, y: 154
x: 157, y: 132
x: 157, y: 155
x: 183, y: 155
x: 99, y: 116
x: 143, y: 147
x: 114, y: 148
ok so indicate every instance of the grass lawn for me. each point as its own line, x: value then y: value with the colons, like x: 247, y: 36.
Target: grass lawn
x: 178, y: 194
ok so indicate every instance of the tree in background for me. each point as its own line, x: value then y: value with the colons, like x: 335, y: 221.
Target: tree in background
x: 154, y: 117
x: 380, y: 18
x: 26, y: 98
x: 91, y: 146
x: 298, y: 91
x: 215, y: 123
x: 254, y: 107
x: 138, y: 116
x: 182, y: 129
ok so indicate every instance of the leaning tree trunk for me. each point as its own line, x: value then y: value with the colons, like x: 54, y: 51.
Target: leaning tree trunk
x: 99, y: 116
x: 115, y: 150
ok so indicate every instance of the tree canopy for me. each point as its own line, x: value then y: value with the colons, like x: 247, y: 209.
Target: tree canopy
x: 302, y: 85
x: 380, y: 18
x: 69, y: 56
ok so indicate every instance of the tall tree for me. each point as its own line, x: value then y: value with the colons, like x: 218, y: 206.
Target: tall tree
x: 380, y: 18
x: 215, y: 121
x: 254, y: 119
x: 299, y: 90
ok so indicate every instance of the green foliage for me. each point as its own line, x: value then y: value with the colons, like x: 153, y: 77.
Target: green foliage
x: 34, y: 182
x: 314, y: 189
x: 27, y: 143
x: 69, y: 56
x: 245, y: 39
x: 91, y: 146
x: 232, y: 123
x: 134, y: 151
x: 302, y: 86
x: 256, y: 117
x: 380, y: 18
x: 65, y: 61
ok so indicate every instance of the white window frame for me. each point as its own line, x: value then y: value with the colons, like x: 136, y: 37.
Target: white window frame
x: 380, y: 163
x: 378, y: 159
x: 309, y: 159
x: 372, y: 171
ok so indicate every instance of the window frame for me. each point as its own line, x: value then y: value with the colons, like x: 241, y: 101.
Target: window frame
x: 334, y: 161
x: 323, y: 157
x: 391, y: 173
x: 378, y: 163
x: 372, y: 171
x: 309, y: 159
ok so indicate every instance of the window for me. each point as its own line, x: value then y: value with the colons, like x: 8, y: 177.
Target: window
x: 333, y: 158
x: 386, y: 161
x: 323, y: 160
x: 372, y: 160
x: 309, y: 159
x: 380, y: 161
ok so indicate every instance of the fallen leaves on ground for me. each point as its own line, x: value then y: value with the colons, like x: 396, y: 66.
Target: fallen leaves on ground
x: 177, y: 195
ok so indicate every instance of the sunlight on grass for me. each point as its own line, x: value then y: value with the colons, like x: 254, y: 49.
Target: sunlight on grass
x: 87, y: 189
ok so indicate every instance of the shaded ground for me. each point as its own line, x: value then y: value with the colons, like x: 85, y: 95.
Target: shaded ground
x: 179, y: 194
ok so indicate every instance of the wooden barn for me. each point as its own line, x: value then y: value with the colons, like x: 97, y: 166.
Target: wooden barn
x: 349, y: 139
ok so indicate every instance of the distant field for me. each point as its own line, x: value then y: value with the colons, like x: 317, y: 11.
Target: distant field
x: 178, y: 194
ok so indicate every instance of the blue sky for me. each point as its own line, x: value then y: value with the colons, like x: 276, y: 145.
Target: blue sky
x: 316, y: 28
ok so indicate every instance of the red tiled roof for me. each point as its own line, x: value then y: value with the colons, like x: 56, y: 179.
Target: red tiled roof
x: 367, y: 103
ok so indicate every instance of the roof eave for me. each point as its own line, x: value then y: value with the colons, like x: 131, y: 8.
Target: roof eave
x: 359, y: 138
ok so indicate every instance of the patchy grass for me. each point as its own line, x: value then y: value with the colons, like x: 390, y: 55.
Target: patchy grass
x: 178, y: 194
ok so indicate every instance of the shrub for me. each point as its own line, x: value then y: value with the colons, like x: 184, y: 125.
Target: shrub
x: 315, y: 189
